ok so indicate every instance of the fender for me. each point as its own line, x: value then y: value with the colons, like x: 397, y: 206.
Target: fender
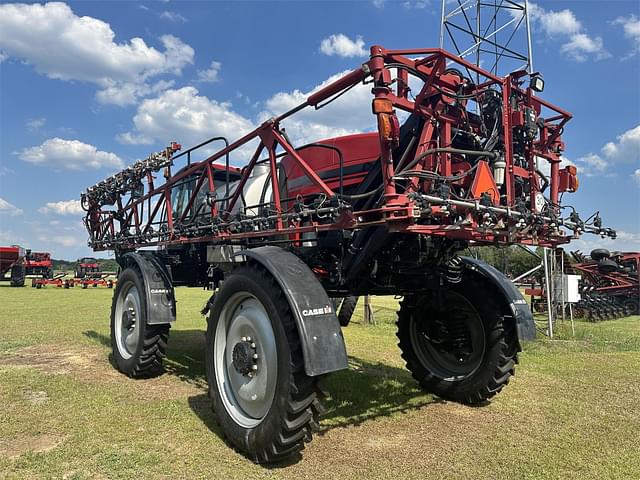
x: 323, y: 345
x: 519, y: 307
x: 161, y: 305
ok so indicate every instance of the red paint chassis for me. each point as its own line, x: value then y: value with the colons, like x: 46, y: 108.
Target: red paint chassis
x: 144, y: 214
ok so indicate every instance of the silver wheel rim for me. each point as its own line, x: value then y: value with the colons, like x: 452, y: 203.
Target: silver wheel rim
x: 247, y: 396
x: 127, y: 320
x: 442, y: 364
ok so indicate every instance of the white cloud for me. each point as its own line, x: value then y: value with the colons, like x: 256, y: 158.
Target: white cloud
x: 123, y: 94
x: 592, y: 164
x: 418, y: 4
x: 8, y: 208
x: 173, y: 17
x: 624, y: 242
x: 631, y: 28
x: 129, y: 138
x: 564, y: 24
x: 636, y: 176
x: 5, y: 171
x: 555, y: 23
x: 348, y: 114
x: 185, y: 116
x: 36, y: 123
x: 211, y: 73
x: 64, y: 46
x: 626, y: 149
x: 379, y: 3
x: 64, y: 240
x: 630, y: 237
x: 64, y: 207
x: 342, y: 46
x: 70, y: 155
x: 581, y: 47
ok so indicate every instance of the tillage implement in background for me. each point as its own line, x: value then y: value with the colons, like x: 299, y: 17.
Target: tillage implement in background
x: 455, y: 160
x: 610, y: 284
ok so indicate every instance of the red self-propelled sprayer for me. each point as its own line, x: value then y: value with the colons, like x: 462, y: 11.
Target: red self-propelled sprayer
x: 454, y: 159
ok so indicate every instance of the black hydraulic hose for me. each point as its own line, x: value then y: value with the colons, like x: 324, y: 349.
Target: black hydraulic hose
x: 476, y: 153
x: 424, y: 79
x: 420, y: 157
x: 433, y: 175
x: 544, y: 179
x: 340, y: 159
x: 405, y: 155
x: 360, y: 196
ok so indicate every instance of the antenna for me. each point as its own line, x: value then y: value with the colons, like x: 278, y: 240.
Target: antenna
x: 494, y: 35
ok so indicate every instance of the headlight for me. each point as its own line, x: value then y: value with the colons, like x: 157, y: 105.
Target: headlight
x: 536, y: 83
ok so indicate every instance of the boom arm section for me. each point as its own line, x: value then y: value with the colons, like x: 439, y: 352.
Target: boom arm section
x: 473, y: 161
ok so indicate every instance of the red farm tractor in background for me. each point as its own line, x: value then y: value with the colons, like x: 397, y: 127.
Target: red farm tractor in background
x: 87, y: 267
x: 38, y: 264
x: 459, y: 157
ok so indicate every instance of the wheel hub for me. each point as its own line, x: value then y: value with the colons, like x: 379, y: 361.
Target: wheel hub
x: 451, y: 342
x: 244, y: 357
x: 128, y: 318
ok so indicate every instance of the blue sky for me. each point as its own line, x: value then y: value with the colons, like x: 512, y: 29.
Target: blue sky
x: 86, y: 87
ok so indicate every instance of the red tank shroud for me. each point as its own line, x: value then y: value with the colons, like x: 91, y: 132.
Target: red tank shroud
x: 454, y: 151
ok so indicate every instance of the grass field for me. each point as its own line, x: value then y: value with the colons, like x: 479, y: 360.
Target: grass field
x: 572, y: 411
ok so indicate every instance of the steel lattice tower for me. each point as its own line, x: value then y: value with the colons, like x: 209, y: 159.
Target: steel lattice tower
x: 492, y: 34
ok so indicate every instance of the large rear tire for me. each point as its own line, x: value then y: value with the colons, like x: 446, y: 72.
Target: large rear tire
x: 261, y: 395
x: 138, y: 348
x: 17, y: 275
x: 462, y: 350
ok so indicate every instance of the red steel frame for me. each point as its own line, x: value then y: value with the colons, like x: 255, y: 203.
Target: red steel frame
x: 131, y: 226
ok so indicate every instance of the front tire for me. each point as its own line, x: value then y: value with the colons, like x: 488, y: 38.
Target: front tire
x: 462, y: 350
x: 261, y: 395
x: 138, y: 348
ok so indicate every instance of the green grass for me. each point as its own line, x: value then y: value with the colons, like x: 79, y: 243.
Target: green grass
x: 571, y: 411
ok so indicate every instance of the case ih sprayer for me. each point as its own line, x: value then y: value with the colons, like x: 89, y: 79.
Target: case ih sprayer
x: 385, y: 213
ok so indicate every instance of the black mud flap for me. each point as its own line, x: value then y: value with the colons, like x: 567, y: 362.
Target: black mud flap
x: 322, y: 341
x: 161, y: 305
x: 518, y: 305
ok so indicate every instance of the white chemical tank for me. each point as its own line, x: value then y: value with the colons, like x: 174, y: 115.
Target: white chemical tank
x: 252, y: 194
